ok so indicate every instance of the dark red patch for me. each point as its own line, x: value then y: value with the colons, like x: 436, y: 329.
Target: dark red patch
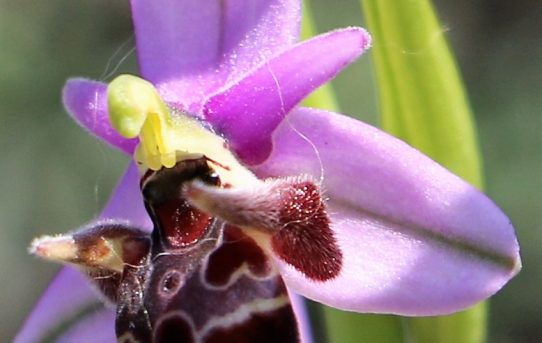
x: 237, y: 249
x: 174, y: 329
x: 181, y: 224
x: 305, y: 240
x: 176, y: 222
x: 270, y: 327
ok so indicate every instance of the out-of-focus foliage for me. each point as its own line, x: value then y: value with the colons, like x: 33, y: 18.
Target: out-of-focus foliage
x: 55, y: 178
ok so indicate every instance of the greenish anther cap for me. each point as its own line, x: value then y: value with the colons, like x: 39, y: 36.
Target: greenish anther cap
x: 130, y: 100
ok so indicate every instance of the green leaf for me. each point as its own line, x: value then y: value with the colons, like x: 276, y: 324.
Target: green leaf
x: 423, y: 102
x: 422, y: 98
x: 467, y: 326
x: 347, y: 327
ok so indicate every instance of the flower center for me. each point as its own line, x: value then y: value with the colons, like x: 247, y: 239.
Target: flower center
x: 136, y: 109
x: 167, y: 136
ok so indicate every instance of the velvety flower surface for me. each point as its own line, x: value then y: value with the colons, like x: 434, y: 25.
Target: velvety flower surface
x: 415, y: 239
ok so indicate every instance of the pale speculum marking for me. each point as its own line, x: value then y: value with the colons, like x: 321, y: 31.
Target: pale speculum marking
x: 238, y: 253
x: 170, y: 283
x: 208, y: 309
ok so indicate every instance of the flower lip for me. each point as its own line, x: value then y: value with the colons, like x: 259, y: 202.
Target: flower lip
x: 190, y: 49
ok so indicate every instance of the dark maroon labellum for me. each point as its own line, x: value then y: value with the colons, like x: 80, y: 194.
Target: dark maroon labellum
x: 197, y: 279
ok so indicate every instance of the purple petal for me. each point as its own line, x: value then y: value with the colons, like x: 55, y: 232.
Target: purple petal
x: 70, y: 292
x: 416, y: 239
x: 86, y: 102
x: 126, y: 203
x: 65, y: 298
x: 98, y: 326
x: 191, y: 48
x: 248, y: 112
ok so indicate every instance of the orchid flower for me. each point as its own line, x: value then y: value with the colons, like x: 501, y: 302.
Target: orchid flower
x: 237, y: 197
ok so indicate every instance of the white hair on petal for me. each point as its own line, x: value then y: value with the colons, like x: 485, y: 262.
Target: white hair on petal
x: 108, y: 73
x: 299, y: 133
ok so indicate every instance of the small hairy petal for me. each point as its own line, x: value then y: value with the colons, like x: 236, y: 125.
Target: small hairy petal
x: 416, y: 239
x: 86, y: 101
x: 70, y: 294
x: 191, y: 48
x: 248, y: 111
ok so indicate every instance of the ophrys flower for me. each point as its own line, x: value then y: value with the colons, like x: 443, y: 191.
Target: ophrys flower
x: 401, y: 234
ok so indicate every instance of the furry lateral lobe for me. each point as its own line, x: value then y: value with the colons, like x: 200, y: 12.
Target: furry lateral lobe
x: 289, y: 210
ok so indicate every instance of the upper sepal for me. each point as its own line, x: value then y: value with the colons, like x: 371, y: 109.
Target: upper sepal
x: 415, y: 239
x: 191, y: 48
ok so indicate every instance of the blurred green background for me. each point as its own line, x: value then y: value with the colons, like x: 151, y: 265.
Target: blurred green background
x: 54, y: 177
